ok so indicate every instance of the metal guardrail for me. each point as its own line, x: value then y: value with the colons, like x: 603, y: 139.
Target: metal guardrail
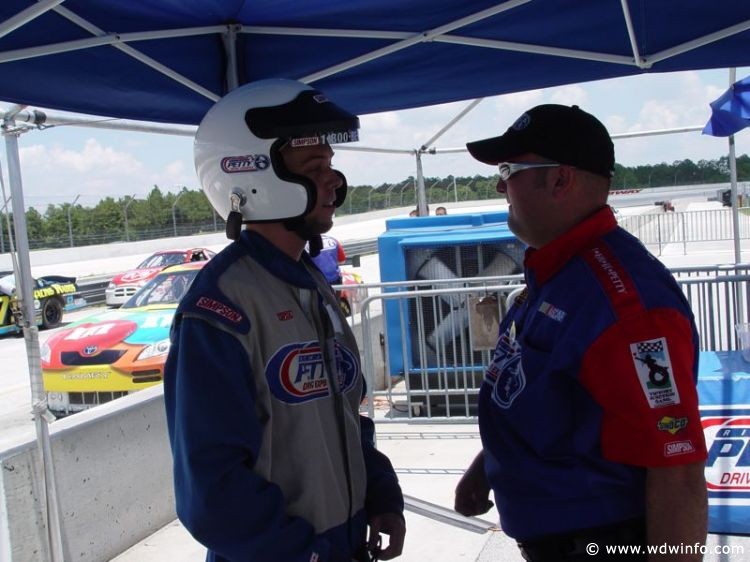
x: 659, y: 229
x: 439, y: 364
x: 92, y: 288
x: 358, y: 248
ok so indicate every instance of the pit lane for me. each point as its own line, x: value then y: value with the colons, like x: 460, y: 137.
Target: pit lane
x: 16, y: 419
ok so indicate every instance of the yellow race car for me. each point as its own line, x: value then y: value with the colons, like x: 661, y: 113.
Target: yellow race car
x: 53, y: 294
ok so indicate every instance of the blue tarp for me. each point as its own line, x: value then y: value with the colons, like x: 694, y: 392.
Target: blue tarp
x: 446, y: 56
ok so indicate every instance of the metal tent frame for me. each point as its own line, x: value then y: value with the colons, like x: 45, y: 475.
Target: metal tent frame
x: 24, y: 14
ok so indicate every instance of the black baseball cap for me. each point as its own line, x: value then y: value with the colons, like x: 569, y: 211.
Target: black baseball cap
x: 567, y: 135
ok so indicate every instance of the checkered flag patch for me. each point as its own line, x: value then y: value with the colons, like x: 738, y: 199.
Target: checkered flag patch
x: 650, y: 346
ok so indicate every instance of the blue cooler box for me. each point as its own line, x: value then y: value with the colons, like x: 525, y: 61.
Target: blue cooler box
x: 440, y: 247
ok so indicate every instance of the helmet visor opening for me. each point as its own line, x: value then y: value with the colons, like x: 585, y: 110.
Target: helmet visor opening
x: 308, y: 116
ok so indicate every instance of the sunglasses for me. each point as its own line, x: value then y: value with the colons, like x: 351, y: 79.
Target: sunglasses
x: 507, y: 169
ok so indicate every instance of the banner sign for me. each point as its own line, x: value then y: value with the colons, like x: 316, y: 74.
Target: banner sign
x: 724, y: 396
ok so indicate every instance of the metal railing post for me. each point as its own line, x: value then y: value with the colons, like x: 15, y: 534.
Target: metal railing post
x: 70, y: 223
x: 125, y: 212
x: 683, y: 219
x: 658, y: 231
x: 174, y: 205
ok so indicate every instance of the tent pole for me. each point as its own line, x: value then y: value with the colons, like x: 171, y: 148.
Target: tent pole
x: 31, y: 335
x: 230, y: 48
x: 735, y: 202
x: 733, y: 184
x: 741, y: 305
x: 422, y: 210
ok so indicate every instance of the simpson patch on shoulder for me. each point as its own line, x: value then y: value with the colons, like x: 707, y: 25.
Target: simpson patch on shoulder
x: 654, y: 370
x: 216, y: 306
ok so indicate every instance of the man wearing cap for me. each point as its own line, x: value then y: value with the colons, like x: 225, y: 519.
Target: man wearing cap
x: 588, y: 412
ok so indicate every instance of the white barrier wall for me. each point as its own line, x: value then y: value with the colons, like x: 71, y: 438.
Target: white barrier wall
x: 113, y: 467
x: 94, y: 260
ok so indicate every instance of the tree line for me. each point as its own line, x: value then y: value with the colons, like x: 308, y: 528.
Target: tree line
x: 160, y: 214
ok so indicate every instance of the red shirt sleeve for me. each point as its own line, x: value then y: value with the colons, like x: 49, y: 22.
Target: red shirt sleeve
x: 640, y: 371
x: 341, y: 253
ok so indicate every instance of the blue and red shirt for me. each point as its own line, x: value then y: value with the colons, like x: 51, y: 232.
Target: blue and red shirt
x: 592, y: 381
x: 327, y: 261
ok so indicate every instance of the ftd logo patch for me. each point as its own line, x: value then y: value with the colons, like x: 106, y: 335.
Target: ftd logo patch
x: 296, y: 373
x: 244, y: 163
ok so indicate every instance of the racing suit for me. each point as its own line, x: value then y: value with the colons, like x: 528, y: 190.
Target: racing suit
x: 262, y: 389
x: 592, y: 381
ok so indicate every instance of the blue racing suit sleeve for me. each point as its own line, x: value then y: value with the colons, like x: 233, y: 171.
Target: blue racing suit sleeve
x: 383, y: 491
x: 215, y: 437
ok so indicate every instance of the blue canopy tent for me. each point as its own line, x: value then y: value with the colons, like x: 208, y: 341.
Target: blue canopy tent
x: 169, y: 60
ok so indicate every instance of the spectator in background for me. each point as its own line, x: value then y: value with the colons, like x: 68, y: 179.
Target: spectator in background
x: 330, y: 257
x: 415, y: 212
x: 441, y: 211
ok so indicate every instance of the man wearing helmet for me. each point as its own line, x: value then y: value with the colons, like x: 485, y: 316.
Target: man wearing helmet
x: 272, y: 460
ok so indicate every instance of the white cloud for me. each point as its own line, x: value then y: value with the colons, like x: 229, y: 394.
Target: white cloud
x: 616, y: 123
x: 173, y: 176
x: 519, y: 101
x: 56, y: 174
x: 573, y: 94
x: 93, y: 158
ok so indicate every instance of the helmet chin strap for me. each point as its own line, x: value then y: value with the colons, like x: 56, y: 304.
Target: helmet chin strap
x: 234, y: 228
x: 234, y: 218
x: 234, y: 225
x: 316, y: 244
x: 296, y: 225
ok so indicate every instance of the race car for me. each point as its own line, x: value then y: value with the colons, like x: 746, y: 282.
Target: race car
x: 350, y: 295
x: 117, y: 351
x: 53, y: 294
x: 124, y: 285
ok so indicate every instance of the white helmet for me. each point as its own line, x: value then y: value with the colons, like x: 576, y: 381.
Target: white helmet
x: 237, y: 147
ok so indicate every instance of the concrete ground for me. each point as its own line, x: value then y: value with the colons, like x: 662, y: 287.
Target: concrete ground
x: 429, y: 460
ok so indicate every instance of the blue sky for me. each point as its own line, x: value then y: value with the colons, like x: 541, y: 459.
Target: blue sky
x: 60, y: 163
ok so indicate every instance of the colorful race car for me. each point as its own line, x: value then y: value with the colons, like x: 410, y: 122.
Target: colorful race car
x: 351, y: 294
x: 53, y: 294
x: 114, y: 352
x: 124, y: 285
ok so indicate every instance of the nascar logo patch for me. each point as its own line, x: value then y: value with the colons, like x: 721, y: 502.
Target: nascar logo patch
x: 654, y: 370
x: 296, y: 373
